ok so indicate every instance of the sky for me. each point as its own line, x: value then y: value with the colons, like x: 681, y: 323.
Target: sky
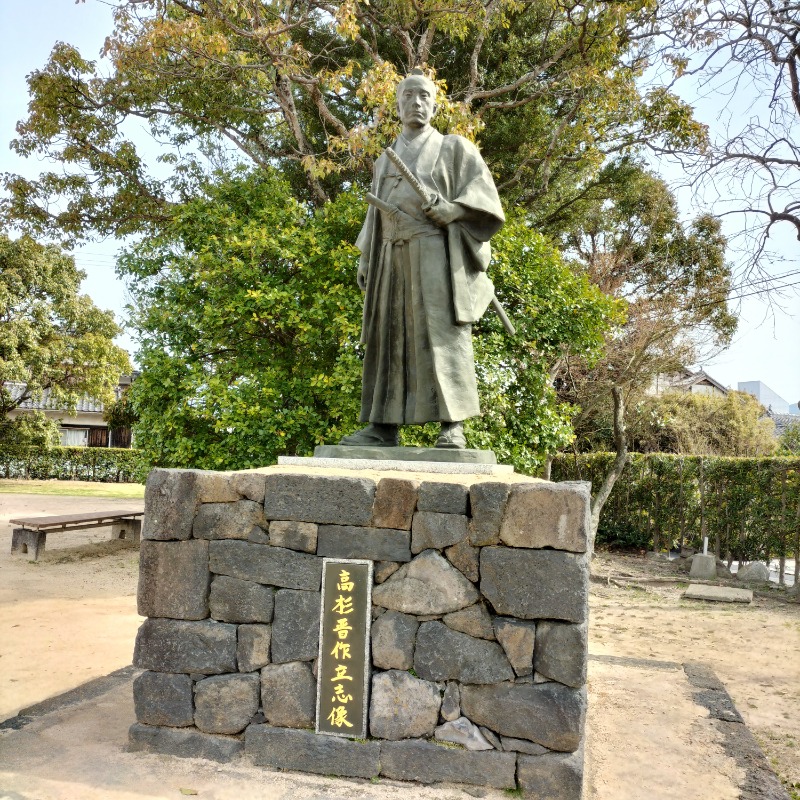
x: 766, y: 347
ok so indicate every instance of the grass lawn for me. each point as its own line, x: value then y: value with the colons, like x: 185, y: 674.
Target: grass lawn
x: 128, y: 491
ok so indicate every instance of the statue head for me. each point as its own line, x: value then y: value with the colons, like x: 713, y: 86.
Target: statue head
x: 416, y: 99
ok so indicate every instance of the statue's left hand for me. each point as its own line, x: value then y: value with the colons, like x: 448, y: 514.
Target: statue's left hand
x: 443, y: 212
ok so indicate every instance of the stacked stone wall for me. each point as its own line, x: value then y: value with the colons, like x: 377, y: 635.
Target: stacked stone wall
x: 479, y: 623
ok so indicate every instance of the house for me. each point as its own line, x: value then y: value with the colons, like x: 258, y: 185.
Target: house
x: 86, y: 427
x: 689, y: 382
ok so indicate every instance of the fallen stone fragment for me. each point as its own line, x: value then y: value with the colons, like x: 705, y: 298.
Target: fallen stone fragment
x: 462, y: 731
x: 719, y: 594
x: 754, y: 571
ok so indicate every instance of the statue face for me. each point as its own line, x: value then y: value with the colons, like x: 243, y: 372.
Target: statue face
x: 416, y: 101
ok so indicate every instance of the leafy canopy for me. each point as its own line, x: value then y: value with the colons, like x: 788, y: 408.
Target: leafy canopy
x: 250, y: 319
x: 51, y: 337
x: 550, y: 89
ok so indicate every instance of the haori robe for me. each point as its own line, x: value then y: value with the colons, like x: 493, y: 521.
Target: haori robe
x: 425, y: 285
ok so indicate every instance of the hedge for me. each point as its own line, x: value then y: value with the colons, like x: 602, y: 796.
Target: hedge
x: 748, y: 507
x: 104, y: 464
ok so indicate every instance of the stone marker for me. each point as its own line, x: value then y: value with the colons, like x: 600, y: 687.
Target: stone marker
x: 704, y: 568
x: 719, y: 594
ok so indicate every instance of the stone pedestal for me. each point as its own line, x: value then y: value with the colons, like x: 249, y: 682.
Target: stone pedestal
x: 479, y: 633
x: 704, y: 567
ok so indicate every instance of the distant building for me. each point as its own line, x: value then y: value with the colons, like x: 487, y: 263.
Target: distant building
x: 770, y: 400
x: 687, y: 382
x: 782, y: 422
x: 86, y: 427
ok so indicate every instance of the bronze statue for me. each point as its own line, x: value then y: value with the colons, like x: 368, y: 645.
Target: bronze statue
x: 424, y: 254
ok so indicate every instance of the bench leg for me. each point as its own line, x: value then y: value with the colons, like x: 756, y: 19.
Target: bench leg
x: 30, y: 543
x: 130, y: 529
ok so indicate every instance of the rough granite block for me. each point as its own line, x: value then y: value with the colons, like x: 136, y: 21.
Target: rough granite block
x: 474, y: 621
x: 546, y: 713
x: 227, y: 520
x: 517, y: 639
x: 252, y: 648
x: 429, y: 585
x: 416, y: 760
x: 395, y: 503
x: 226, y: 703
x: 547, y: 514
x: 443, y: 654
x: 561, y: 651
x: 552, y: 776
x: 465, y: 558
x: 235, y: 600
x: 325, y: 499
x: 445, y: 498
x: 216, y: 487
x: 294, y: 535
x: 402, y: 706
x: 393, y: 636
x: 250, y: 485
x: 431, y: 530
x: 173, y: 580
x: 170, y: 499
x: 162, y: 698
x: 305, y: 751
x: 183, y: 742
x: 295, y: 628
x: 536, y: 584
x: 375, y: 544
x: 487, y: 503
x: 166, y: 645
x: 275, y: 566
x: 289, y: 695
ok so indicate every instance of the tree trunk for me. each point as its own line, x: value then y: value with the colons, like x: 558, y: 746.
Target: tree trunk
x: 621, y: 444
x: 547, y: 469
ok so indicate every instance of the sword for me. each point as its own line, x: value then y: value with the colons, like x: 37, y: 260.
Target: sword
x: 431, y: 200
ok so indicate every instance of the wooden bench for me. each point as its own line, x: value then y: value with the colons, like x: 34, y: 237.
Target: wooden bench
x: 31, y: 537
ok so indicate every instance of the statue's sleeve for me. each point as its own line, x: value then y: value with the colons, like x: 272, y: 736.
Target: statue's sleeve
x: 473, y: 187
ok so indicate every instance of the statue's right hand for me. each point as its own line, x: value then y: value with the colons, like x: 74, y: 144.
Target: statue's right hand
x: 361, y: 279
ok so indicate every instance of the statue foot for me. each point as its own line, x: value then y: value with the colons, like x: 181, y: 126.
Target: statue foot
x: 452, y: 436
x: 376, y: 434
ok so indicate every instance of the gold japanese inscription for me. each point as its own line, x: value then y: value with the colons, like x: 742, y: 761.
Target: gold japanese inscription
x: 344, y: 634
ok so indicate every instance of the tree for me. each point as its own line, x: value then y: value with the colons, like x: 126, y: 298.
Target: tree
x: 550, y: 89
x: 626, y: 236
x: 691, y: 424
x: 747, y: 60
x: 249, y: 318
x: 789, y: 442
x: 51, y: 338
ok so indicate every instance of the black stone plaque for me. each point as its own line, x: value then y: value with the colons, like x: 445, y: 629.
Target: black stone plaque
x: 343, y: 665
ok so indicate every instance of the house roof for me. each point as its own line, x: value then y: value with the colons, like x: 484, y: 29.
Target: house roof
x: 47, y: 403
x: 690, y: 379
x: 783, y: 421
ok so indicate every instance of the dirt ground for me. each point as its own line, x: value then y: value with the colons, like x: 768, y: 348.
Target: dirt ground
x: 72, y: 617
